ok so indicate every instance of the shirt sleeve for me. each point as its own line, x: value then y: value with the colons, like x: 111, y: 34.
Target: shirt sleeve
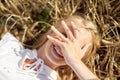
x: 9, y: 43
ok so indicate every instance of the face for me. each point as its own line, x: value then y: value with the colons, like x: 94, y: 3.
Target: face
x: 52, y: 52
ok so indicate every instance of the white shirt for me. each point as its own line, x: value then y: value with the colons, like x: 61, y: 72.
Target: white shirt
x: 12, y: 58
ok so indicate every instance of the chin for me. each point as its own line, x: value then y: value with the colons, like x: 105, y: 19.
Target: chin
x: 54, y: 61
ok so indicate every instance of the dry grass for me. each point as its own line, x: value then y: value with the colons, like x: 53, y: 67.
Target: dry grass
x: 27, y: 19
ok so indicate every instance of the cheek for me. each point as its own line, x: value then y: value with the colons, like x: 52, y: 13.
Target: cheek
x: 81, y: 42
x: 48, y: 44
x: 84, y: 39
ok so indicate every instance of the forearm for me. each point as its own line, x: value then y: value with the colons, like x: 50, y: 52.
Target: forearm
x: 82, y: 71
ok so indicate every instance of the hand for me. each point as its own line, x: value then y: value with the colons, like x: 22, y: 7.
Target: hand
x: 70, y: 46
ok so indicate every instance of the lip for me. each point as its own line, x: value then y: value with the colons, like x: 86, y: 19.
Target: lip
x: 54, y: 52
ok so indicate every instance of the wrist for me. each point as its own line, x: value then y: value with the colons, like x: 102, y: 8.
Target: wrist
x: 82, y: 70
x: 74, y: 62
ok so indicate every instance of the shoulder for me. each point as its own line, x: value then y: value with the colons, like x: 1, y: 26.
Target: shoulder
x: 9, y: 42
x: 48, y: 73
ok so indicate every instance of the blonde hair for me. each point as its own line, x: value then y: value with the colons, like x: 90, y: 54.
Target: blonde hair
x: 65, y: 71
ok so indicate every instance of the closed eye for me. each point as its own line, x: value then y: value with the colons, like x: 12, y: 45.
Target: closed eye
x: 64, y: 35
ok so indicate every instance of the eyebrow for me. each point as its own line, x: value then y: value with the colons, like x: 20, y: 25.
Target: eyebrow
x: 89, y: 29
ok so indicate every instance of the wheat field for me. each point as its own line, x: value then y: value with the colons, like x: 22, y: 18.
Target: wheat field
x: 27, y: 19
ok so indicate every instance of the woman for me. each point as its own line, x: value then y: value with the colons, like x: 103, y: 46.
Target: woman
x: 70, y: 43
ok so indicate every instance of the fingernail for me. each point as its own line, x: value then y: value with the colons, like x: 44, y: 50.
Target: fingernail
x: 72, y: 23
x: 48, y: 36
x: 63, y: 21
x: 52, y: 27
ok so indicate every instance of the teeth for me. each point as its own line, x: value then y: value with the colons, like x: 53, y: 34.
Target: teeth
x: 58, y: 51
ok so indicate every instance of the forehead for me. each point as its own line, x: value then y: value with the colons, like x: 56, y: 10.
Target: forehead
x: 77, y: 21
x: 74, y: 19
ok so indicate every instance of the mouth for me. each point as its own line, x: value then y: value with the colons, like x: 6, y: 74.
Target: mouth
x: 57, y: 52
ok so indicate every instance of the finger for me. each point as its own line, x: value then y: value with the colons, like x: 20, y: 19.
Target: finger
x: 75, y: 31
x: 56, y: 41
x: 58, y: 33
x: 67, y: 30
